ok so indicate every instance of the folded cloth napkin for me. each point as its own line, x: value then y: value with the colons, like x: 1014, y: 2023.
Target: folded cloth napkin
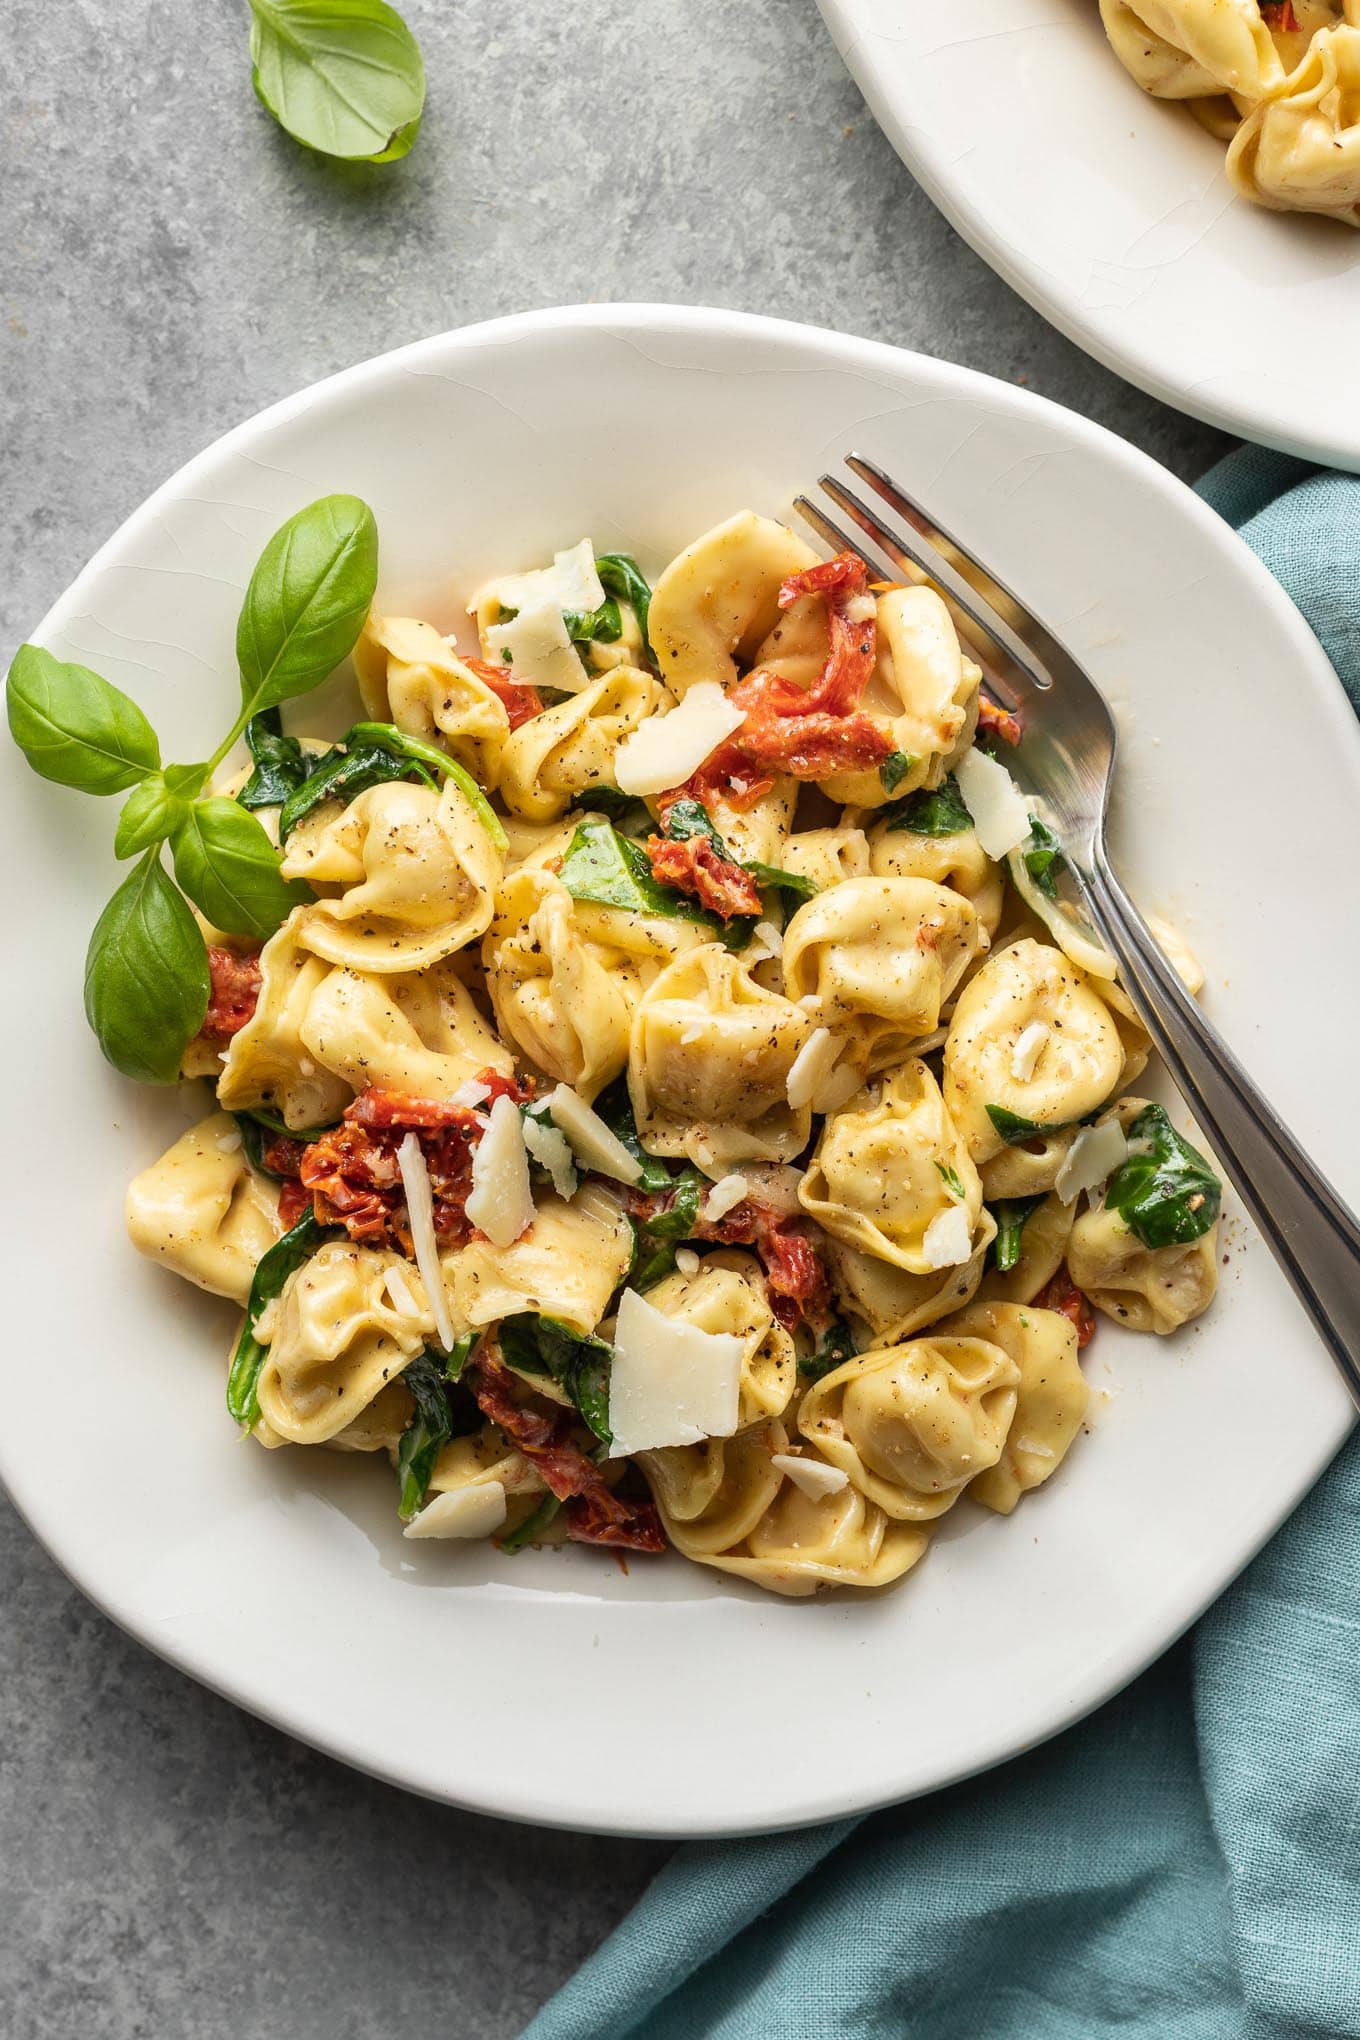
x: 1184, y: 1865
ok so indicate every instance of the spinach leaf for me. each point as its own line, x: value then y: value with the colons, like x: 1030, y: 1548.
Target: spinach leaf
x: 577, y: 1361
x: 606, y: 800
x: 1015, y: 1129
x: 836, y: 1346
x: 255, y: 1139
x: 272, y: 1271
x: 273, y: 1124
x: 281, y: 764
x: 533, y: 1526
x: 340, y: 774
x: 425, y: 1435
x: 602, y: 626
x: 658, y: 1237
x: 146, y: 976
x: 229, y: 868
x: 939, y: 811
x: 687, y: 818
x: 604, y: 867
x: 342, y: 76
x: 1166, y: 1193
x: 308, y: 597
x: 1012, y: 1214
x: 621, y: 577
x: 389, y: 737
x: 1044, y: 858
x: 895, y: 768
x: 790, y: 885
x: 76, y: 728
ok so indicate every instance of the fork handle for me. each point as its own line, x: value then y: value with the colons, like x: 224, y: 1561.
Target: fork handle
x: 1312, y: 1234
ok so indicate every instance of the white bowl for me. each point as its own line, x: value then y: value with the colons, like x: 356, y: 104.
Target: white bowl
x: 552, y: 1687
x: 1112, y: 213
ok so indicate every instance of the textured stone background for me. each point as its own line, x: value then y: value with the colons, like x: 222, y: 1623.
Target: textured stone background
x: 170, y: 263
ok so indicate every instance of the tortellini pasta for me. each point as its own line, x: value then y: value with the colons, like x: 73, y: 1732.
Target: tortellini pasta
x: 927, y: 688
x: 728, y: 1294
x: 419, y: 872
x: 1148, y: 1289
x: 553, y: 758
x: 1050, y: 1402
x: 565, y: 1001
x: 718, y: 600
x: 202, y: 1210
x: 567, y: 1266
x: 348, y: 1321
x: 416, y: 1031
x: 885, y: 1304
x: 411, y: 676
x: 958, y: 861
x: 268, y: 1064
x: 1280, y: 85
x: 826, y: 856
x: 708, y: 1064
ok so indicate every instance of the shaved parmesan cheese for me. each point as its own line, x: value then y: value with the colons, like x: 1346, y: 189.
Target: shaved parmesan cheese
x: 1095, y: 1154
x: 838, y: 1089
x: 1000, y: 811
x: 1029, y: 1046
x: 665, y: 749
x: 551, y: 1149
x: 501, y: 1204
x: 473, y: 1092
x: 948, y: 1240
x: 397, y: 1283
x: 687, y: 1261
x: 228, y: 1142
x: 541, y: 652
x: 812, y: 1065
x: 861, y: 608
x: 725, y: 1195
x: 670, y: 1383
x: 813, y: 1476
x: 415, y: 1181
x: 571, y: 582
x: 463, y: 1512
x: 596, y: 1147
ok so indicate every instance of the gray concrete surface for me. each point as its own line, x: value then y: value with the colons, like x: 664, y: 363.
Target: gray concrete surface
x: 169, y: 263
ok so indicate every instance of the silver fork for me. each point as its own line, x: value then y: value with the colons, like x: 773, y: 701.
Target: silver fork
x: 1067, y: 759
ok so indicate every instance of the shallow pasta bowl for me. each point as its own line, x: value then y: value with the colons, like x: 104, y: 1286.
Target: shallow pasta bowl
x: 552, y: 1686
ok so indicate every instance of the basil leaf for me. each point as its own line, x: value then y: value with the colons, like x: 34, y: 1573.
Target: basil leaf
x: 1166, y: 1193
x: 281, y: 764
x: 938, y: 812
x: 835, y: 1348
x: 390, y: 738
x: 271, y: 1272
x: 146, y: 976
x: 615, y: 1108
x: 425, y: 1435
x: 602, y: 626
x: 895, y: 768
x: 577, y: 1361
x: 150, y: 813
x: 1015, y: 1129
x: 604, y: 867
x: 76, y: 728
x: 533, y: 1526
x: 621, y: 577
x: 230, y: 869
x: 1012, y: 1214
x: 307, y: 600
x: 1044, y: 858
x: 342, y: 76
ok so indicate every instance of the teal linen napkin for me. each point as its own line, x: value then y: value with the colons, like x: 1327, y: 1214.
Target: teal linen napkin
x: 1185, y: 1865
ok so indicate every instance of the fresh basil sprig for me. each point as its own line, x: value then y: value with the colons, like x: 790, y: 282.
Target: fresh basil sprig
x: 1166, y: 1193
x: 146, y: 977
x: 577, y: 1361
x: 343, y: 76
x: 939, y: 811
x: 1012, y: 1215
x: 271, y: 1272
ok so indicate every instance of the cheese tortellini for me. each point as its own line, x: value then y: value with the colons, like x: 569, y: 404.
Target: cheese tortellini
x: 705, y: 1164
x: 1281, y: 84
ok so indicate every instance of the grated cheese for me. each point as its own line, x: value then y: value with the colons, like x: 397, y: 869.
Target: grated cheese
x: 687, y: 1261
x: 415, y: 1181
x: 398, y: 1286
x: 596, y: 1147
x: 473, y: 1092
x: 551, y: 1149
x: 670, y: 1383
x: 725, y: 1195
x: 1000, y: 811
x: 541, y: 652
x: 948, y: 1240
x: 463, y: 1512
x: 813, y: 1476
x: 1029, y: 1046
x: 665, y: 749
x: 812, y: 1065
x: 1094, y: 1155
x: 502, y: 1201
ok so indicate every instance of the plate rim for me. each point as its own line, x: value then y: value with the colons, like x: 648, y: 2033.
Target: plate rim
x: 1199, y: 1587
x: 853, y: 39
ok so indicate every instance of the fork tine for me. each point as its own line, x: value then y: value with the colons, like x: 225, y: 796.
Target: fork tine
x: 966, y: 563
x: 1013, y: 669
x: 836, y: 536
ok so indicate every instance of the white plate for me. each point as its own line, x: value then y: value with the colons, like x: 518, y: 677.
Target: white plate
x: 550, y: 1687
x: 1111, y: 212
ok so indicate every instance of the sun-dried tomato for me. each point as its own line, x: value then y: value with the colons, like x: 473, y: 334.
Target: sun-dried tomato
x: 1279, y: 15
x: 234, y: 993
x: 592, y: 1512
x: 695, y: 866
x: 1063, y: 1295
x: 993, y: 720
x: 521, y: 703
x: 294, y: 1199
x: 795, y: 1273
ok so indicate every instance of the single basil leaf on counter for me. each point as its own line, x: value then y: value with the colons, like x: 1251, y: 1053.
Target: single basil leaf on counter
x: 895, y: 768
x: 621, y: 577
x: 425, y: 1436
x: 1015, y: 1129
x: 577, y: 1361
x: 1012, y: 1214
x: 150, y: 813
x: 271, y: 1272
x: 75, y: 727
x: 937, y: 812
x: 604, y: 867
x: 602, y: 626
x: 307, y: 600
x: 1044, y: 858
x: 1166, y: 1192
x: 533, y: 1526
x: 615, y: 1108
x: 146, y: 976
x: 836, y: 1346
x: 390, y: 738
x: 229, y: 868
x: 281, y: 764
x: 342, y: 76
